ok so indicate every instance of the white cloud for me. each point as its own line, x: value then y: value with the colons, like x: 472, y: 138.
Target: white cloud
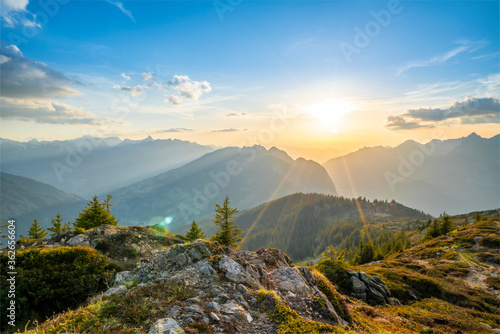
x: 44, y: 111
x: 4, y: 59
x: 467, y: 46
x: 147, y: 76
x: 21, y: 77
x: 15, y: 12
x: 120, y: 6
x: 235, y: 114
x: 174, y: 100
x: 188, y: 88
x: 134, y: 91
x: 182, y: 85
x: 175, y: 130
x: 124, y: 76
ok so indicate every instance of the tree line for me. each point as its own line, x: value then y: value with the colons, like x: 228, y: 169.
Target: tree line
x: 97, y: 213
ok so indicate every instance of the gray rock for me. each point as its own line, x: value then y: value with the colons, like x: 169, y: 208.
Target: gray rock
x: 79, y: 240
x: 166, y: 326
x: 412, y: 295
x: 194, y: 309
x: 234, y: 310
x: 357, y: 285
x: 364, y: 278
x: 123, y: 278
x: 288, y: 279
x: 200, y: 246
x: 195, y: 254
x: 375, y: 297
x: 207, y: 270
x: 213, y: 306
x: 181, y: 259
x: 174, y: 311
x: 232, y: 269
x: 120, y: 290
x: 394, y: 301
x: 214, y: 316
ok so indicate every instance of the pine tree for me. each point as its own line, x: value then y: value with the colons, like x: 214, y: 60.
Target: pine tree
x: 107, y: 203
x: 94, y: 215
x: 36, y: 231
x: 195, y: 232
x: 446, y: 225
x: 58, y: 227
x: 227, y: 233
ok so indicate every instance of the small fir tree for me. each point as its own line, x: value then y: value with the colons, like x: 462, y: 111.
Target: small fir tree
x: 58, y: 227
x: 37, y: 231
x: 195, y: 232
x: 94, y: 215
x: 446, y: 225
x: 227, y: 233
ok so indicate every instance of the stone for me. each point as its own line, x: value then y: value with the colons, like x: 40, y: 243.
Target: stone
x: 120, y: 290
x: 181, y: 259
x: 123, y: 277
x: 234, y: 310
x: 195, y: 254
x: 213, y: 306
x: 231, y: 268
x: 374, y: 297
x: 207, y: 270
x: 357, y: 285
x: 214, y: 316
x: 194, y: 309
x: 166, y: 326
x: 364, y: 278
x: 394, y: 301
x: 288, y: 279
x: 412, y: 295
x: 79, y: 240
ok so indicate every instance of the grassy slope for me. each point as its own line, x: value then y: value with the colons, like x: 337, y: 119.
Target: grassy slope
x: 453, y: 277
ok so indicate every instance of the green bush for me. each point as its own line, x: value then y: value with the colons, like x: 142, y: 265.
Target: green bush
x: 491, y: 241
x: 335, y: 272
x: 52, y: 280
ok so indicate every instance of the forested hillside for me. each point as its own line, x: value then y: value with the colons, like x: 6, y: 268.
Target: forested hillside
x: 303, y: 225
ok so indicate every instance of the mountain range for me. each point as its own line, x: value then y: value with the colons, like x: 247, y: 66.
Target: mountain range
x: 174, y: 182
x: 87, y: 166
x: 456, y: 175
x: 249, y: 176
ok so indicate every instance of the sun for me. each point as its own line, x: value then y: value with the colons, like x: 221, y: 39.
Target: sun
x: 329, y: 113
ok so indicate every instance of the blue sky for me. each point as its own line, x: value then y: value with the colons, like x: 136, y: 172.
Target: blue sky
x: 317, y: 78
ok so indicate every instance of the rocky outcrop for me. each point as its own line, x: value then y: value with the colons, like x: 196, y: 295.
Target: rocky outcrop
x: 123, y: 245
x: 371, y: 289
x: 226, y: 285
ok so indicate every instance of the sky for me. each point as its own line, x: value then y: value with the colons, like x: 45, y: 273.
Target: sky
x: 315, y: 78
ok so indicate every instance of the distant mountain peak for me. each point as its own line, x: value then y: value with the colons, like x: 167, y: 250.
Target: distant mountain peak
x: 473, y: 135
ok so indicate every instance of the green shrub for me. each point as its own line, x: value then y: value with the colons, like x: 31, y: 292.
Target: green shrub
x: 51, y: 280
x: 491, y: 241
x: 336, y: 273
x: 465, y: 241
x: 493, y: 282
